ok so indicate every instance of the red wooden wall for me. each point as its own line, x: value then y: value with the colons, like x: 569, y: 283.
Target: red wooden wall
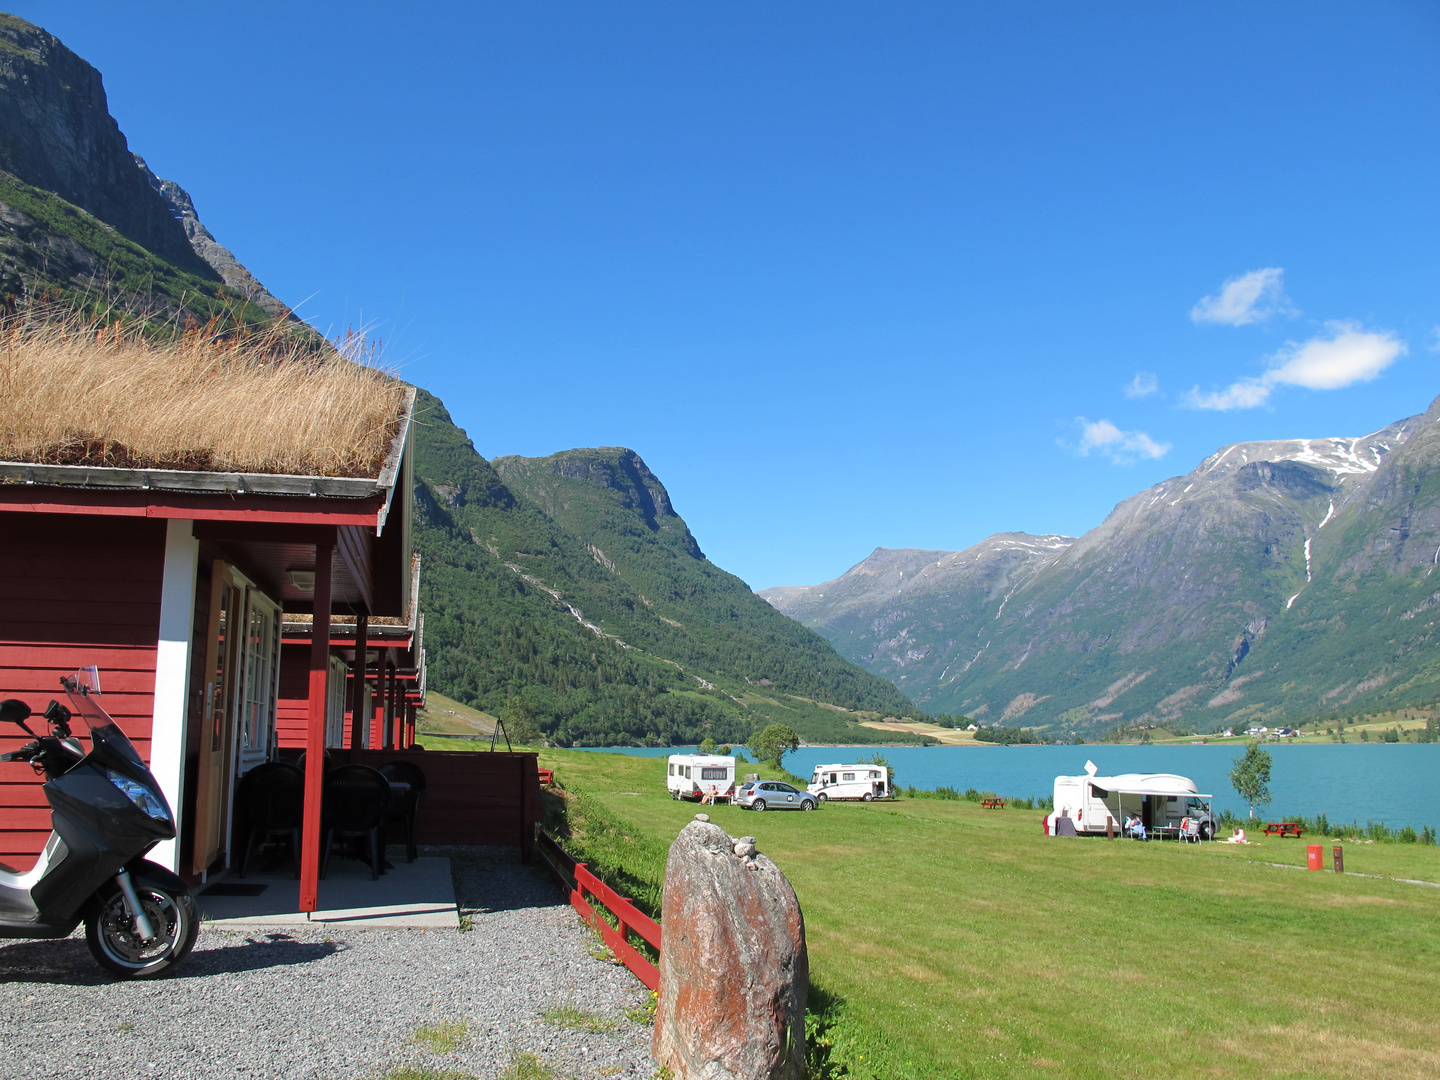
x: 292, y: 704
x: 74, y: 590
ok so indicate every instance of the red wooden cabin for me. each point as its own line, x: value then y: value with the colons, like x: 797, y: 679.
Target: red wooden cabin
x: 206, y: 601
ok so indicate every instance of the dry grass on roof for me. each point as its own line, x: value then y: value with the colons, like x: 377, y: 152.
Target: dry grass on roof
x: 79, y: 392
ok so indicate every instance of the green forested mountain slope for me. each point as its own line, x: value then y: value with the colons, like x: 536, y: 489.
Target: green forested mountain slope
x: 1278, y: 581
x: 568, y: 587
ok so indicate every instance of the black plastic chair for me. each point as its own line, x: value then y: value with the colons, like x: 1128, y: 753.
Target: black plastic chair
x: 357, y: 804
x: 324, y: 761
x: 404, y: 805
x: 272, y: 804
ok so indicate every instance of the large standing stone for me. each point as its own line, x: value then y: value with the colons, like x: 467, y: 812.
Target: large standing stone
x: 733, y: 970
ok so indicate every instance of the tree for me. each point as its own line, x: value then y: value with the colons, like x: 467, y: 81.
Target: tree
x: 519, y: 718
x: 1251, y: 776
x: 879, y: 759
x: 773, y: 743
x: 707, y: 746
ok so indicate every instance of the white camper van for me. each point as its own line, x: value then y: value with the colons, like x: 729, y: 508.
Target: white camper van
x: 863, y: 782
x: 1092, y: 804
x: 700, y: 776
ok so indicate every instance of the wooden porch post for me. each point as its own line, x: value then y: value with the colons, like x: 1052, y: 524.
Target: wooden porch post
x: 315, y: 731
x: 359, y: 723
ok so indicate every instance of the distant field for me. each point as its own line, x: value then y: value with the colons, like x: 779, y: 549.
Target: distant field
x: 442, y: 716
x: 963, y: 943
x: 947, y: 736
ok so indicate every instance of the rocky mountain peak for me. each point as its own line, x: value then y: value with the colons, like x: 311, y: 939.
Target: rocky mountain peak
x: 219, y: 257
x: 1278, y: 578
x: 56, y: 133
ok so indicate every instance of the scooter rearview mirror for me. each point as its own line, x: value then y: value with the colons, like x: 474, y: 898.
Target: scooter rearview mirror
x: 15, y: 711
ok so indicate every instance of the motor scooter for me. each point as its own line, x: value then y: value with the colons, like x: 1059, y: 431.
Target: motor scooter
x: 107, y: 813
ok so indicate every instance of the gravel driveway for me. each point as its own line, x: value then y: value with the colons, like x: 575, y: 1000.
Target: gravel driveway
x: 342, y: 1004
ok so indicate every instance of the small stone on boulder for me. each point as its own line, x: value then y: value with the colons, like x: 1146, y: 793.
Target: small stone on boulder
x: 702, y: 817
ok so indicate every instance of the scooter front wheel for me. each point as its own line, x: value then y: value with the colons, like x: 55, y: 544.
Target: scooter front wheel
x: 110, y: 931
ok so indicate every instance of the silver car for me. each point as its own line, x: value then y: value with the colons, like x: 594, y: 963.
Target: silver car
x: 772, y: 795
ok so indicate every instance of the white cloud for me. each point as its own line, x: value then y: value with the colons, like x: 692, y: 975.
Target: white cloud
x: 1347, y: 356
x: 1121, y: 447
x: 1249, y: 298
x: 1143, y: 385
x: 1435, y: 339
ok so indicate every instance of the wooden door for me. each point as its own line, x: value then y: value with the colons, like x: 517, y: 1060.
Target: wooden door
x: 216, y: 740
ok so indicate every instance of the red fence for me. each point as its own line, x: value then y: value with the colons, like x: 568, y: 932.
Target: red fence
x: 584, y: 887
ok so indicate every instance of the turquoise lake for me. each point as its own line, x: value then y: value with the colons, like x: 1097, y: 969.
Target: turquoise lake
x: 1398, y: 784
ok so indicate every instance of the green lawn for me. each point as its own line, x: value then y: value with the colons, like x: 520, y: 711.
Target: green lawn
x: 962, y: 942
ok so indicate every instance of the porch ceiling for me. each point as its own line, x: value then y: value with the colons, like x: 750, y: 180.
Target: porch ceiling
x: 268, y: 564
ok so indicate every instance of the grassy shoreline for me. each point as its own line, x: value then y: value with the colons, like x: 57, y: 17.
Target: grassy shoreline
x: 949, y: 941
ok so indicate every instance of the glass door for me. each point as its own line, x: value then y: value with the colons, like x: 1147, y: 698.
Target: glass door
x: 211, y: 791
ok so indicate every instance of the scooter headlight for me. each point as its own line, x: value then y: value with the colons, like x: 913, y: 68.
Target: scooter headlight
x: 146, y: 800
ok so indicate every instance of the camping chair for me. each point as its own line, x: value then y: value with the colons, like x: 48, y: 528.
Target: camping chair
x: 357, y: 803
x: 272, y: 803
x: 405, y: 805
x: 1190, y: 830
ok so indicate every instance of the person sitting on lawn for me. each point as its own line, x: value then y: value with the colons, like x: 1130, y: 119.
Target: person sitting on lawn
x: 1238, y: 838
x: 1135, y: 827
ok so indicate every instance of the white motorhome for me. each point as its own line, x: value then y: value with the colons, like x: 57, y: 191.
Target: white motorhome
x: 1094, y: 804
x: 707, y: 777
x: 864, y: 782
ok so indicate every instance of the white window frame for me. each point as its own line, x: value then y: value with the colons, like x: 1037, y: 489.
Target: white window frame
x: 259, y: 682
x: 336, y: 686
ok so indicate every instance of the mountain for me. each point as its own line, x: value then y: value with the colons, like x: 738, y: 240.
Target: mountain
x: 568, y: 592
x: 1277, y: 581
x: 569, y: 588
x: 83, y: 221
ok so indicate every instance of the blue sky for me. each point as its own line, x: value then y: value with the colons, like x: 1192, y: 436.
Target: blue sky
x: 844, y: 274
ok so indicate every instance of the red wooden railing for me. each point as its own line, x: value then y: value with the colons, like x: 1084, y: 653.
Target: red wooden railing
x: 584, y: 887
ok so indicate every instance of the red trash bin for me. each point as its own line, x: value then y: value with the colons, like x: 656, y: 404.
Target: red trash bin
x: 1316, y: 853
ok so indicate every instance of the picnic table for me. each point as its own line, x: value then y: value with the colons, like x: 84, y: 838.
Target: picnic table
x: 1284, y: 828
x: 992, y: 804
x: 547, y: 777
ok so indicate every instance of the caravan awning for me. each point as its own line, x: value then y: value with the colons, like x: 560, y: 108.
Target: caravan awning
x: 1132, y: 789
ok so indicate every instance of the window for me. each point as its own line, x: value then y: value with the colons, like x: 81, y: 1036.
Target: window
x: 874, y: 775
x: 672, y: 768
x: 687, y: 772
x: 260, y: 674
x: 848, y: 776
x: 335, y: 702
x: 713, y: 773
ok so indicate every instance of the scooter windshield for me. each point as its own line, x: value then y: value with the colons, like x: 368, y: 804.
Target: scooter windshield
x: 83, y: 688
